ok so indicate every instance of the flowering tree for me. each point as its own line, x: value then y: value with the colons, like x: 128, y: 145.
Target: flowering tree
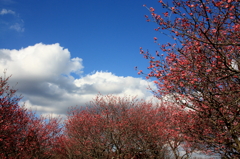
x: 125, y: 127
x: 201, y: 69
x: 22, y: 135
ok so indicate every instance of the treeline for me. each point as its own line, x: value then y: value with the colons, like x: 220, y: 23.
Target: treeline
x: 108, y: 127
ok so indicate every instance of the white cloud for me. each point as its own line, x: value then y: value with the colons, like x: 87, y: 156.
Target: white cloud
x: 40, y: 62
x: 5, y: 11
x: 43, y: 73
x: 12, y: 22
x: 18, y: 27
x: 108, y: 83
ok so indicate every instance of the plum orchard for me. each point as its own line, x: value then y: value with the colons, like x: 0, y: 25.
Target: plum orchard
x: 115, y: 127
x: 201, y: 70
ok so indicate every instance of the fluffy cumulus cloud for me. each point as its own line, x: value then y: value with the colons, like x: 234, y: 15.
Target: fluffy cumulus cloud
x: 44, y: 77
x: 108, y: 83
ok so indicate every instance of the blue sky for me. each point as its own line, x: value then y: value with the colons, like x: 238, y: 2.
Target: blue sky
x: 106, y: 34
x: 63, y: 53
